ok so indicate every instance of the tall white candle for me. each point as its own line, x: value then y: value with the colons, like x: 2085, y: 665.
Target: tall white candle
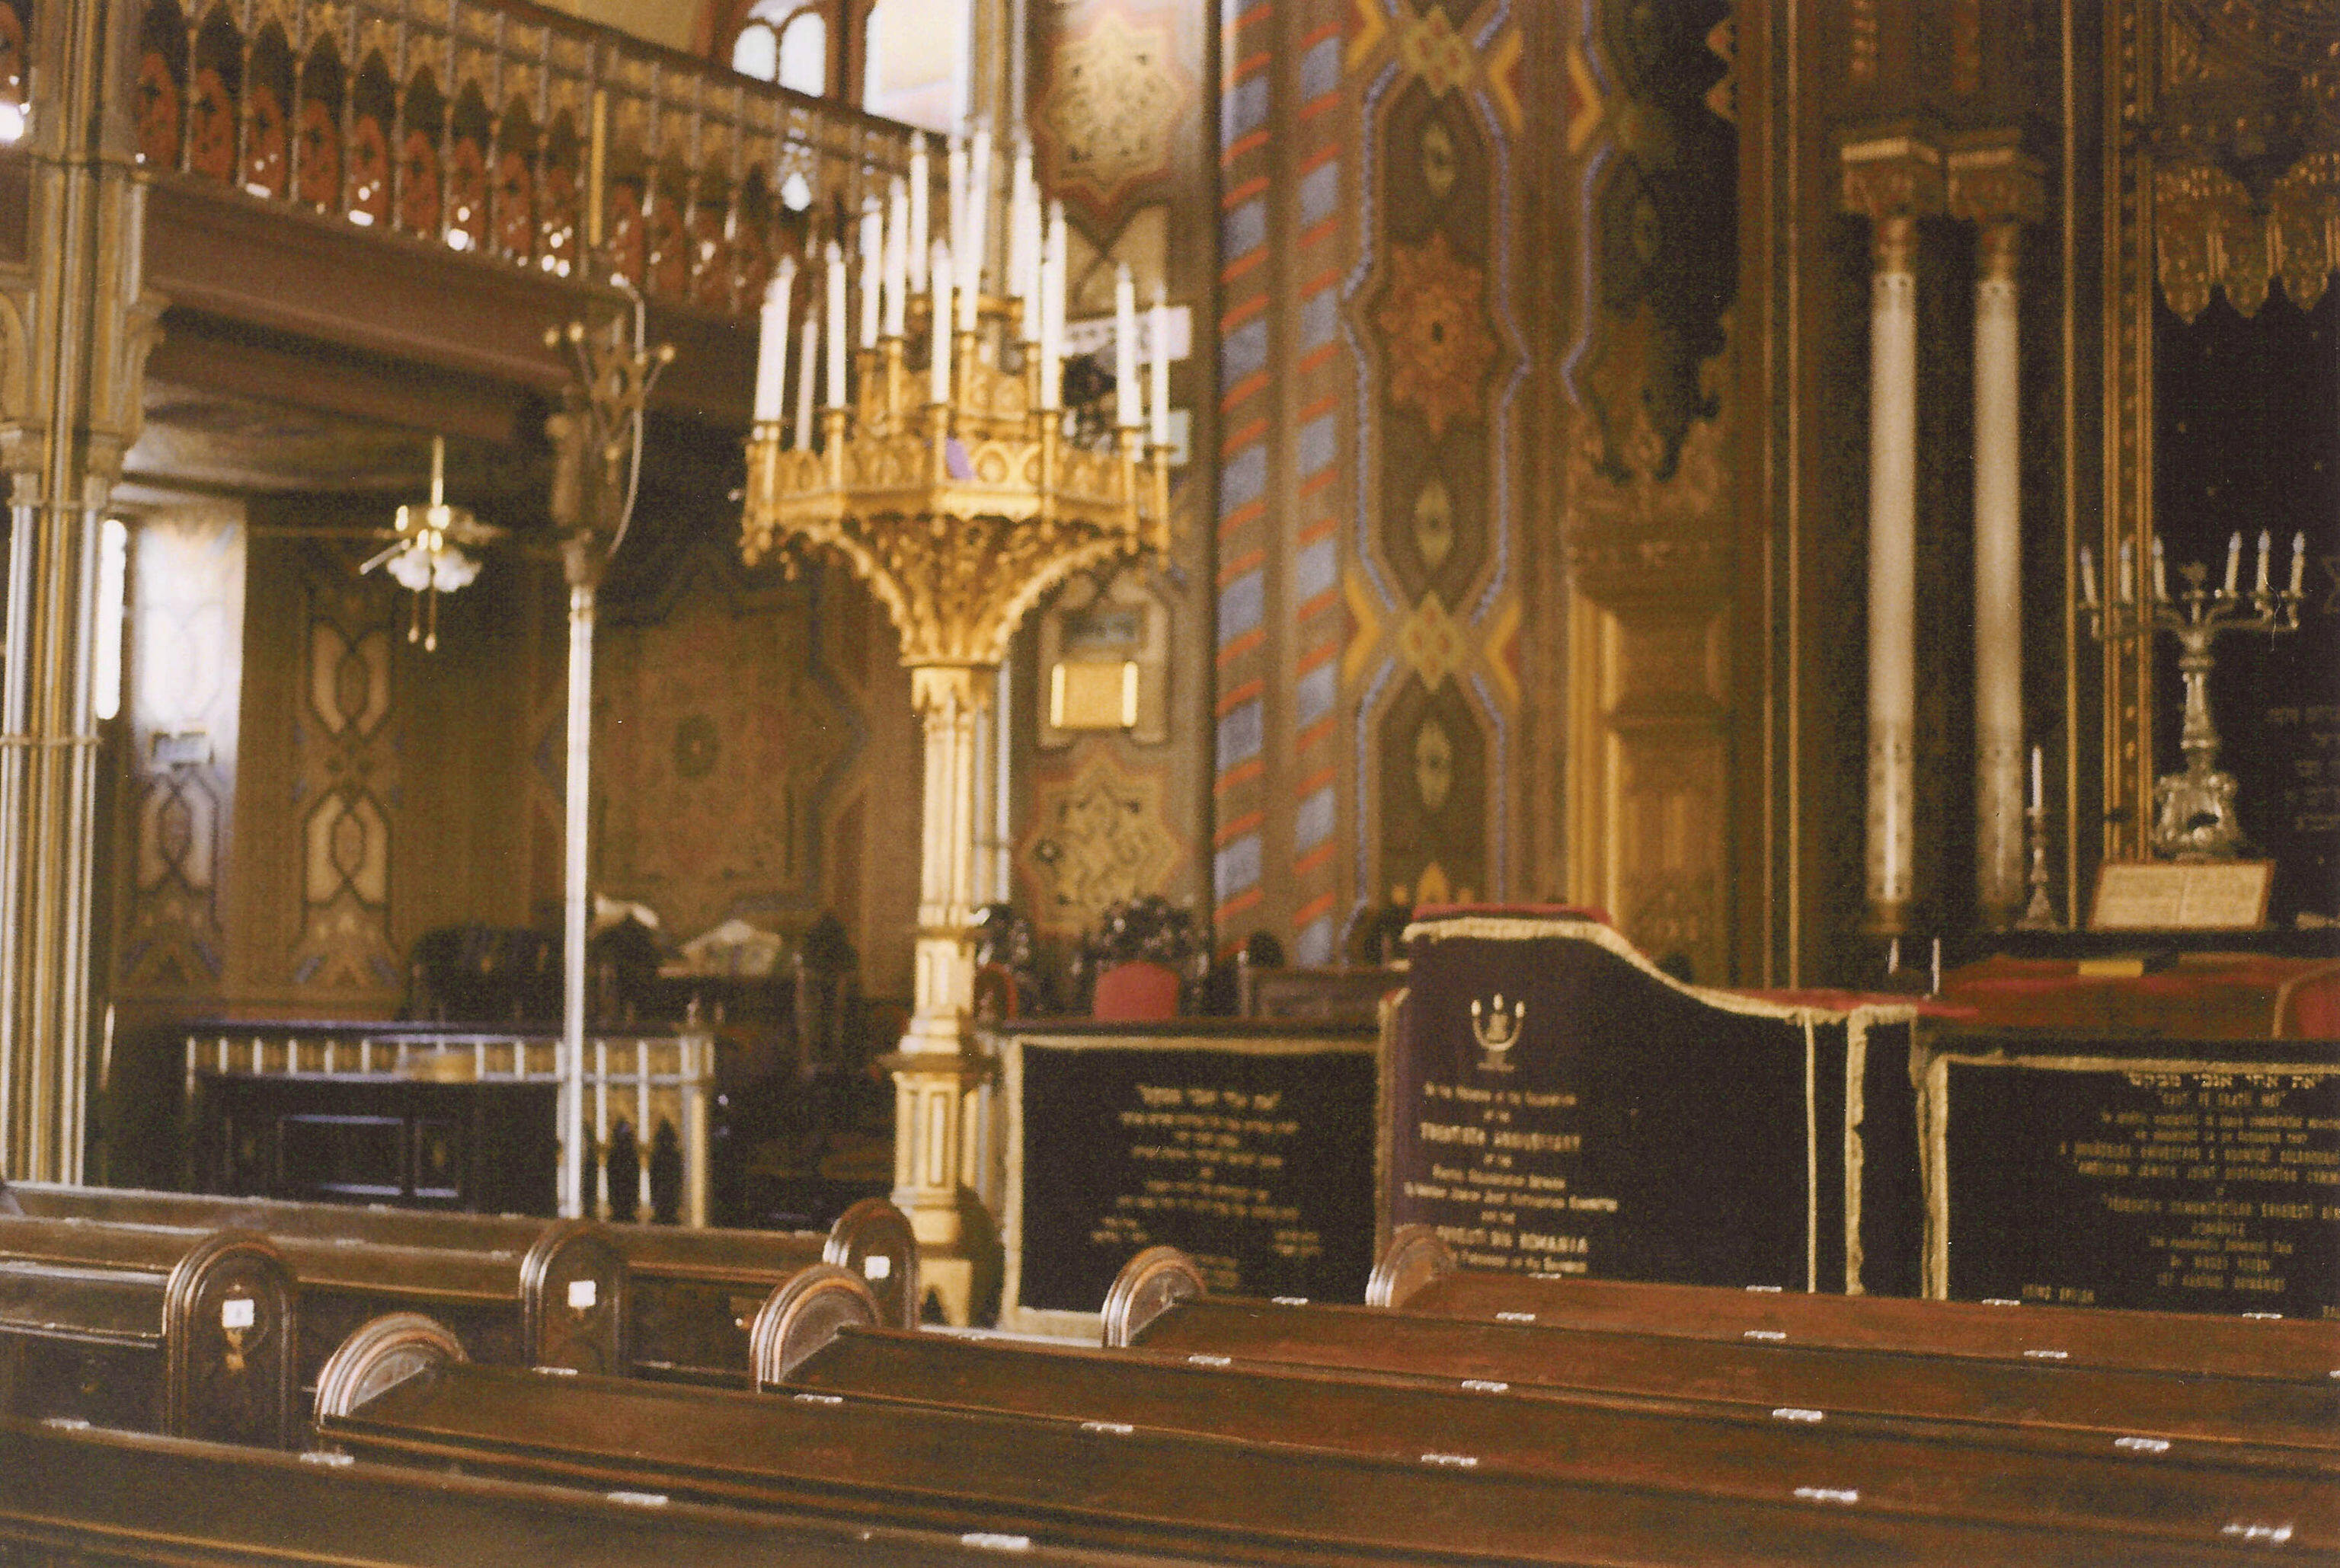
x: 873, y: 247
x: 1159, y: 393
x: 2128, y: 575
x: 898, y: 256
x: 921, y: 191
x: 2266, y: 552
x: 1124, y: 346
x: 939, y: 270
x: 2036, y: 780
x: 954, y: 196
x: 973, y: 257
x: 1052, y: 301
x: 2298, y: 562
x: 1051, y: 345
x: 772, y: 346
x: 2234, y: 562
x: 1024, y: 242
x: 836, y: 326
x: 2088, y: 579
x: 2161, y: 571
x: 807, y: 357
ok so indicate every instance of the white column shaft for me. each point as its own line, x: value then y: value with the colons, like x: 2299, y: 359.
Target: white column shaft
x: 1892, y: 585
x: 1998, y: 605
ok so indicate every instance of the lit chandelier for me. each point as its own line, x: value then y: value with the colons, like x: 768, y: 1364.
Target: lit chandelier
x: 961, y: 490
x: 427, y: 556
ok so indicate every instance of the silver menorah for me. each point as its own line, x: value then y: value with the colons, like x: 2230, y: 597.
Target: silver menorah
x: 2193, y: 809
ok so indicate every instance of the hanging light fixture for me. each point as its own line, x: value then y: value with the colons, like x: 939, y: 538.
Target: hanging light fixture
x: 427, y: 557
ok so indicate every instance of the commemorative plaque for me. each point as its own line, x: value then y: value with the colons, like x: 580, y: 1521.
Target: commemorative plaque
x: 2171, y: 1175
x: 1553, y: 1104
x: 1248, y: 1146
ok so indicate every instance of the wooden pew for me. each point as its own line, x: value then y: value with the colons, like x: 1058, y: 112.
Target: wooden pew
x: 1159, y: 1302
x: 181, y: 1332
x: 693, y: 1292
x: 1111, y: 1488
x: 560, y: 1302
x: 113, y: 1497
x: 1418, y: 1274
x: 2191, y: 1496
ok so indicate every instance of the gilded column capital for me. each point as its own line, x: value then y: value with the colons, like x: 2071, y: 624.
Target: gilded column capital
x: 1891, y: 172
x: 1993, y: 183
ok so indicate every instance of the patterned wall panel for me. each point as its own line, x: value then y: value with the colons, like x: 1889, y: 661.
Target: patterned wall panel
x: 183, y: 643
x: 1116, y: 87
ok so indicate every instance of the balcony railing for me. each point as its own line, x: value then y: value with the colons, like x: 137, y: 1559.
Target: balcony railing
x: 505, y: 130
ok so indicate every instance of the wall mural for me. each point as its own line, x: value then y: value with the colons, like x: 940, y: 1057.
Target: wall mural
x: 721, y: 735
x: 1100, y: 837
x: 1115, y: 95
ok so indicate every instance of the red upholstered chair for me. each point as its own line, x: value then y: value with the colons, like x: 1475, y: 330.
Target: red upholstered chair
x: 1136, y: 992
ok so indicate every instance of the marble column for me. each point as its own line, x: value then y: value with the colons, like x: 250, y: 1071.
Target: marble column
x: 66, y: 419
x: 1993, y: 185
x: 1892, y: 179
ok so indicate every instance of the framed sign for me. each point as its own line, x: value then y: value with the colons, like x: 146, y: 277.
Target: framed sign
x: 2173, y: 1175
x: 1247, y: 1146
x: 2197, y: 895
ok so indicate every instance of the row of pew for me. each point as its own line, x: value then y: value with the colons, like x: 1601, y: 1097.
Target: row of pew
x: 1458, y: 1417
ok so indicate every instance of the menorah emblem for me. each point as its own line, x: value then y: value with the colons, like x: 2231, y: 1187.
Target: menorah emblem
x: 1497, y: 1030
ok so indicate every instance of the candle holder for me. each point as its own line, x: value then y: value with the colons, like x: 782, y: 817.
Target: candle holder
x: 2193, y: 809
x: 2040, y: 914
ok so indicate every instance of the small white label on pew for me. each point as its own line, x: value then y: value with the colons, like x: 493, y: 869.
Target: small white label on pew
x: 1828, y: 1495
x: 1769, y: 1334
x: 1452, y: 1461
x: 2048, y: 1354
x: 1791, y: 1413
x: 876, y: 1266
x: 327, y: 1457
x: 2273, y: 1534
x: 1516, y: 1318
x: 993, y: 1542
x: 1289, y: 1300
x: 557, y: 1371
x: 2000, y: 1301
x: 65, y: 1423
x: 1765, y: 1289
x: 820, y: 1398
x: 583, y: 1294
x: 1112, y: 1428
x: 1480, y: 1385
x: 236, y: 1312
x: 637, y: 1499
x: 1209, y: 1361
x: 2274, y: 1315
x: 2143, y: 1445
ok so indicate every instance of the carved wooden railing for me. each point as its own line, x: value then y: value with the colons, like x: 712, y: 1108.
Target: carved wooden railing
x: 639, y: 1087
x: 502, y: 130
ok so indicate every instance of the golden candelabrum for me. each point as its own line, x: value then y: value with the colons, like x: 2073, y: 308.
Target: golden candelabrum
x: 959, y: 515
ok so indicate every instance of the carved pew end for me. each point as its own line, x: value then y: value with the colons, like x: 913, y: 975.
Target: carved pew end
x: 802, y: 1314
x: 1413, y: 1259
x: 573, y: 1291
x: 380, y: 1355
x: 874, y: 1239
x: 1148, y: 1284
x: 229, y: 1367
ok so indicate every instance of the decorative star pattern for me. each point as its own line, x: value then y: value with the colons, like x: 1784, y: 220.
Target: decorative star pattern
x: 1434, y: 320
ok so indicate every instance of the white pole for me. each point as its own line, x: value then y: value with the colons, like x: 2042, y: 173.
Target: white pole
x: 575, y: 898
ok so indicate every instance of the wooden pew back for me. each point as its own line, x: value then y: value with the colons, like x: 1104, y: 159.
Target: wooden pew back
x: 1159, y: 1303
x: 181, y: 1332
x: 1418, y: 1274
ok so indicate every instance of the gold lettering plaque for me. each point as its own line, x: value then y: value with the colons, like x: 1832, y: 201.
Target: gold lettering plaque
x: 2209, y: 895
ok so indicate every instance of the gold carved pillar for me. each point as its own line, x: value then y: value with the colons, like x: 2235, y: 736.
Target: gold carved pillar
x: 1997, y: 187
x: 75, y: 324
x: 1892, y: 178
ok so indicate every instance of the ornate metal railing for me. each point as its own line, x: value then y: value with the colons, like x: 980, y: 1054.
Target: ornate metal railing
x: 505, y: 130
x: 637, y: 1086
